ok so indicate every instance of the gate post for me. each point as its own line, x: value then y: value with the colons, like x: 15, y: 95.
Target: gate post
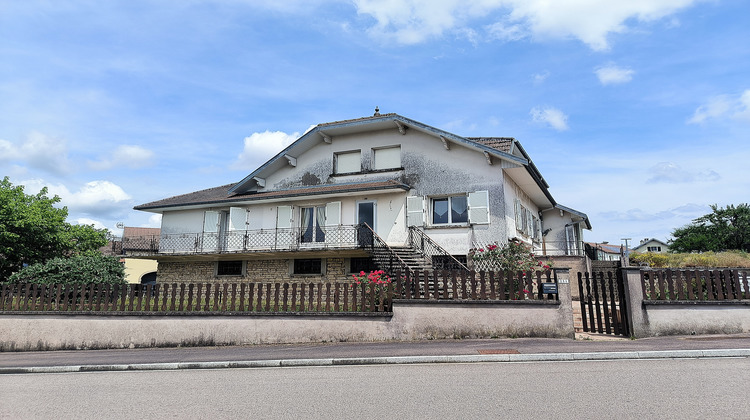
x: 562, y: 278
x: 637, y: 315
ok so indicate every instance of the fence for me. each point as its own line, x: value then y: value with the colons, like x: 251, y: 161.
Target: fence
x: 197, y: 298
x: 277, y: 297
x: 695, y: 285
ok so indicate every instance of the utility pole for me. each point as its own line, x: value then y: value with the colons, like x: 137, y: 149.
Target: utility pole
x: 627, y: 248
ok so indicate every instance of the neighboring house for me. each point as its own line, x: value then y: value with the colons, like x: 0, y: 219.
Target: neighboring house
x: 136, y: 241
x: 652, y: 245
x: 427, y: 198
x: 604, y: 251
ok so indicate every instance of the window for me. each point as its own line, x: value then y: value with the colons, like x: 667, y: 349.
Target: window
x: 450, y: 210
x: 347, y: 162
x: 308, y: 266
x: 387, y: 158
x: 654, y: 249
x: 229, y: 268
x: 526, y: 222
x: 359, y: 264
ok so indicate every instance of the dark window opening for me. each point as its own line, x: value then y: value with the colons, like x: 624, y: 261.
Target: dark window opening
x: 442, y: 262
x: 359, y: 264
x: 229, y: 268
x: 308, y: 266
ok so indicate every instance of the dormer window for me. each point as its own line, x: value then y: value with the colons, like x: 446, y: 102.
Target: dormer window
x: 347, y: 162
x: 387, y: 158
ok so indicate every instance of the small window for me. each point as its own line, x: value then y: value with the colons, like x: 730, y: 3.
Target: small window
x: 450, y: 210
x: 308, y: 266
x: 654, y: 249
x: 229, y: 268
x: 359, y: 264
x: 347, y: 162
x: 387, y: 158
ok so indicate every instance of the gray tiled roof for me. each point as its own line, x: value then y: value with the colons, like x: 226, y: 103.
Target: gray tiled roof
x: 218, y: 195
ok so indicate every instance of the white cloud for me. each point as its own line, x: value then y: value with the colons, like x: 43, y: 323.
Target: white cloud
x: 38, y: 151
x: 670, y: 172
x: 550, y: 116
x: 539, y: 78
x: 591, y: 21
x: 125, y: 156
x: 720, y: 107
x: 260, y: 147
x: 86, y: 221
x: 93, y: 198
x: 611, y: 74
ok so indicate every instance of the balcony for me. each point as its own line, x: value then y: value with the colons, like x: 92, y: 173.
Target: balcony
x: 246, y: 241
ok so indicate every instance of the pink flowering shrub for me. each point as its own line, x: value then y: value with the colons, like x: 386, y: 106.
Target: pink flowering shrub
x: 514, y: 256
x: 377, y: 277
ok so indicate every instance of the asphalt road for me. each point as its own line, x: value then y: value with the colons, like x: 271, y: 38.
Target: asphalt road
x: 654, y: 389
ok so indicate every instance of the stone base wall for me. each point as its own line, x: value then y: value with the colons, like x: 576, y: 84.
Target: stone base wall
x: 576, y: 265
x: 276, y: 270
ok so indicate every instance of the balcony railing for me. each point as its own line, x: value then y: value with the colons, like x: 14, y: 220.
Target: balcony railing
x: 261, y: 240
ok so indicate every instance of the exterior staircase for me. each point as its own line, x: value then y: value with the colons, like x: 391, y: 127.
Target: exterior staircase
x: 413, y: 259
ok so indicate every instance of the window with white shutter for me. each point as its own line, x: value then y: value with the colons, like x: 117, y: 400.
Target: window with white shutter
x: 479, y: 207
x: 211, y: 221
x: 415, y: 211
x: 237, y: 218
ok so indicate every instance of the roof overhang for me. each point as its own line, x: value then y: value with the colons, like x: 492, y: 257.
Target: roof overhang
x: 578, y: 217
x: 309, y: 193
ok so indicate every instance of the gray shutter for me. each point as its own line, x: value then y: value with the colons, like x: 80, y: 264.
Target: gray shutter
x: 479, y: 207
x: 415, y: 211
x: 333, y: 213
x: 211, y: 221
x: 237, y: 218
x: 284, y: 217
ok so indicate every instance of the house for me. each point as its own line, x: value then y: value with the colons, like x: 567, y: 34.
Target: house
x: 604, y: 251
x: 136, y: 241
x: 652, y: 245
x: 382, y: 191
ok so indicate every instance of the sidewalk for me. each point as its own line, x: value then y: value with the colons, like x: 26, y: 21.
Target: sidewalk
x: 585, y: 347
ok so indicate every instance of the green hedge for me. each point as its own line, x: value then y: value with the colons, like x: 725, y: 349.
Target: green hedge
x: 79, y: 269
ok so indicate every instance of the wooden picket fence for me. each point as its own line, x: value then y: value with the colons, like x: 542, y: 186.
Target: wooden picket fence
x: 695, y: 285
x: 276, y: 297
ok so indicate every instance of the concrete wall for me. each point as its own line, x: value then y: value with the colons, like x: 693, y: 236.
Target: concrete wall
x: 651, y: 318
x: 410, y: 320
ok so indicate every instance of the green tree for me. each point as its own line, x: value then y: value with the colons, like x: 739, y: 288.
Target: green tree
x: 33, y: 230
x: 725, y: 228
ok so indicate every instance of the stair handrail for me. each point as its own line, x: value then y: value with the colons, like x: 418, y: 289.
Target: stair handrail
x: 423, y: 242
x: 405, y: 269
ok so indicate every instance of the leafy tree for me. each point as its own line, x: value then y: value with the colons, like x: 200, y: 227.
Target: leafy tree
x: 33, y: 230
x: 78, y: 269
x: 723, y: 229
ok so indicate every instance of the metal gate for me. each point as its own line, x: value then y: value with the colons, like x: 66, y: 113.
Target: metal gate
x: 603, y: 306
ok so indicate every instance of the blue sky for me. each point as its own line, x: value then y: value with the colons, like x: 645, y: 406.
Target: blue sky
x: 636, y: 113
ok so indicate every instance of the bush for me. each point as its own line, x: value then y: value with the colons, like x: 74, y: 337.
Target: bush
x: 734, y: 259
x: 80, y: 269
x: 513, y: 256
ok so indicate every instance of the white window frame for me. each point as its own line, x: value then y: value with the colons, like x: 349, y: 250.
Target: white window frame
x: 450, y: 205
x: 347, y: 162
x: 390, y: 155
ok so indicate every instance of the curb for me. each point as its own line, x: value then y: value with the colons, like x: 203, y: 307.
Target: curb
x: 399, y: 360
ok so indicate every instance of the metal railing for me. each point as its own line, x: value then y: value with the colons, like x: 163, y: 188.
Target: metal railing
x: 559, y: 248
x: 384, y: 257
x: 260, y: 240
x: 430, y: 249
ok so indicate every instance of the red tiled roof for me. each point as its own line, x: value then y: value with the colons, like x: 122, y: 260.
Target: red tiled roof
x: 502, y: 144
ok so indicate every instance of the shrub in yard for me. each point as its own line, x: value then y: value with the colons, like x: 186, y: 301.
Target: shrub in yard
x: 513, y: 256
x: 79, y: 269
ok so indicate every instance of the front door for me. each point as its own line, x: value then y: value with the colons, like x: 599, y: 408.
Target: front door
x: 366, y: 213
x: 312, y: 221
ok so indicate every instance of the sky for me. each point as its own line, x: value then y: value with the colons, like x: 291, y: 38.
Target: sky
x: 636, y: 113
